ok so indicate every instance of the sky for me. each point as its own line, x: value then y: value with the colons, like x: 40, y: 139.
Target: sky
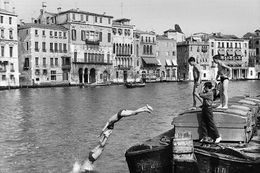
x: 227, y: 16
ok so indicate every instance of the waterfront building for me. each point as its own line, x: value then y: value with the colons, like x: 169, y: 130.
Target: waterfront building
x: 90, y: 45
x: 198, y: 48
x: 123, y: 40
x: 254, y: 46
x: 166, y: 53
x: 43, y: 49
x: 234, y: 52
x: 145, y: 55
x: 9, y: 72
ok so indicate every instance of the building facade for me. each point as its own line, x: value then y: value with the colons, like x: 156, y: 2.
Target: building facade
x: 176, y: 35
x: 198, y: 49
x: 254, y: 45
x: 9, y: 72
x: 234, y: 52
x: 166, y: 53
x: 90, y: 45
x: 42, y: 52
x: 145, y: 60
x: 123, y: 40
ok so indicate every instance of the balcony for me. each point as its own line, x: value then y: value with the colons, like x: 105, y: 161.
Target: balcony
x: 2, y: 70
x: 92, y: 42
x: 36, y: 50
x: 66, y: 67
x: 65, y: 51
x: 44, y: 50
x: 51, y: 50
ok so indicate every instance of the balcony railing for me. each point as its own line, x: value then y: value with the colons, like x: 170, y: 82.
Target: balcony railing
x: 92, y: 42
x: 66, y: 67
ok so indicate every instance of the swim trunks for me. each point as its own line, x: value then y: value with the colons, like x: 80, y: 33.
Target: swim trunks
x: 119, y: 116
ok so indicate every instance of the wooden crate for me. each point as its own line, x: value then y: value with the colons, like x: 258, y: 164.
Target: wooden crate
x: 233, y: 124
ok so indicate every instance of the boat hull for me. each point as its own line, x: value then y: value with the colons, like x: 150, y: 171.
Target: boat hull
x: 134, y: 85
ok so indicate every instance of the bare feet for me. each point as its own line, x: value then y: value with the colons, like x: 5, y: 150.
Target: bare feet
x: 149, y: 108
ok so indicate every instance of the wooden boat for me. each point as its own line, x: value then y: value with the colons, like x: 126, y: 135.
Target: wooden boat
x: 134, y: 85
x: 153, y: 156
x: 240, y: 153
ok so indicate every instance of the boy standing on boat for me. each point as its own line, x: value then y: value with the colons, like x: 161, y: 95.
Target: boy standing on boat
x: 197, y: 80
x: 224, y: 72
x: 207, y: 122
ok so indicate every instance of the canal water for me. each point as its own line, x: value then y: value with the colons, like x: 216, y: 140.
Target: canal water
x: 48, y: 129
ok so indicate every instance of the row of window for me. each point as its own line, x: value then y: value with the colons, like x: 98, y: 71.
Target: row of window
x: 127, y: 32
x: 148, y: 39
x: 54, y: 47
x: 169, y: 53
x: 53, y: 61
x: 228, y: 45
x: 10, y: 78
x: 9, y: 20
x: 52, y: 34
x: 3, y: 51
x: 45, y: 72
x: 90, y: 35
x: 122, y: 49
x: 92, y: 57
x: 85, y: 17
x: 147, y: 50
x: 3, y: 67
x: 10, y: 33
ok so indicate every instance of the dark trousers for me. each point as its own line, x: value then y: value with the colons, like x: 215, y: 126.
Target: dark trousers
x: 208, y: 127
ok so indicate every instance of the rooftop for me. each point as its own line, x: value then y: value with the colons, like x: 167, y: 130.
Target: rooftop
x: 84, y: 12
x: 3, y: 11
x: 43, y: 26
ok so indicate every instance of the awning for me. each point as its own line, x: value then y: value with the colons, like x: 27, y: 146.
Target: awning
x: 150, y: 61
x: 168, y: 62
x: 174, y: 63
x: 230, y: 52
x: 239, y: 53
x: 221, y: 52
x: 159, y: 62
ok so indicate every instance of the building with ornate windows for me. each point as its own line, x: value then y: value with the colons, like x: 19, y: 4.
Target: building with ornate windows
x: 43, y: 52
x: 198, y: 48
x: 123, y: 50
x: 90, y: 45
x: 9, y: 73
x: 234, y: 52
x: 145, y: 60
x: 254, y: 46
x: 166, y: 53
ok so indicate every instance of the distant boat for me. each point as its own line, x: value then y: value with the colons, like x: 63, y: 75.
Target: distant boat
x: 134, y: 85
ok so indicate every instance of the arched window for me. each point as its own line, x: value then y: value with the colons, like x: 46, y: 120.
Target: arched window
x: 131, y: 49
x: 144, y: 51
x: 120, y: 49
x: 151, y: 49
x: 137, y: 50
x: 117, y: 49
x: 148, y: 49
x: 114, y: 48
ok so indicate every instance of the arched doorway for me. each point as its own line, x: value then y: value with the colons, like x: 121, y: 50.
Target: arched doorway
x: 92, y: 75
x: 80, y: 75
x: 163, y: 74
x: 86, y: 75
x: 105, y: 76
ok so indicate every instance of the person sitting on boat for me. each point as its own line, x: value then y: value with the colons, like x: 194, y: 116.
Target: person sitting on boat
x: 124, y: 113
x: 208, y: 127
x: 197, y: 80
x: 88, y: 165
x: 224, y: 72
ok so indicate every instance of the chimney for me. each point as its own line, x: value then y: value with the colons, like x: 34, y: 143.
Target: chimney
x: 44, y: 6
x: 6, y: 5
x: 59, y: 9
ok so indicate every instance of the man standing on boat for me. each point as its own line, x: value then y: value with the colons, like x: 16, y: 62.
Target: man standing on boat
x: 197, y: 80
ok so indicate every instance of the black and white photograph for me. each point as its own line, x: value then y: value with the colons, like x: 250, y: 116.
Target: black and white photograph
x: 129, y: 86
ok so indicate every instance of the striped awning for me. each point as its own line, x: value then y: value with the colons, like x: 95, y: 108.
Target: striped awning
x: 168, y: 62
x: 159, y: 62
x: 174, y: 63
x: 150, y: 61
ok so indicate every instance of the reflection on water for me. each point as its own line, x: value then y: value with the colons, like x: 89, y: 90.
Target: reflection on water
x: 47, y: 130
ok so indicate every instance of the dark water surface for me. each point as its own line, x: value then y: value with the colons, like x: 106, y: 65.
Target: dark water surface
x: 47, y: 130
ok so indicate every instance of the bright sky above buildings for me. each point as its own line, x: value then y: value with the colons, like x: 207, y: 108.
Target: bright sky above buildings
x: 227, y: 16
